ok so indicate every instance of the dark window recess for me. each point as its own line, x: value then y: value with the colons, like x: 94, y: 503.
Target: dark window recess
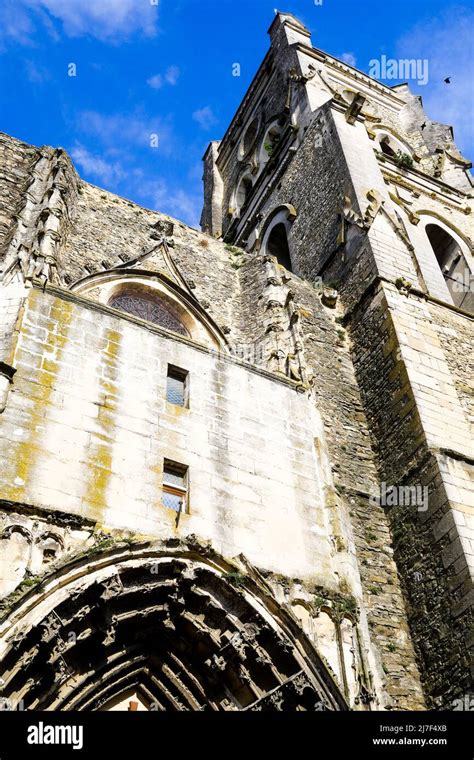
x: 250, y: 135
x: 453, y: 266
x: 387, y: 148
x: 277, y: 245
x: 177, y: 386
x: 175, y: 486
x: 243, y: 192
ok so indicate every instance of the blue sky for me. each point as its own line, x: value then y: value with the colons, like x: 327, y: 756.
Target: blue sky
x: 164, y: 67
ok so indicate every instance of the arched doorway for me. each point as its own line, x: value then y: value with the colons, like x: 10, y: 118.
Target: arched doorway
x: 161, y: 629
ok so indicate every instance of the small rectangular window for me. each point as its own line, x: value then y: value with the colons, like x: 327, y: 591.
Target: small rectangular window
x: 177, y: 386
x: 175, y: 486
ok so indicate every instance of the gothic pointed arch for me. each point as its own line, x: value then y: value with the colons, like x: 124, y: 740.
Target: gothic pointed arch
x: 242, y: 193
x: 249, y: 137
x: 454, y: 258
x: 391, y: 143
x: 275, y: 235
x: 178, y: 625
x: 271, y: 138
x: 142, y: 302
x: 154, y: 298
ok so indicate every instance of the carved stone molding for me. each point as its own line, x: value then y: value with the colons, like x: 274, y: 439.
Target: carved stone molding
x: 128, y: 619
x: 43, y: 221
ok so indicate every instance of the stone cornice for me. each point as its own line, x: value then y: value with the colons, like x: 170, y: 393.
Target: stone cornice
x: 352, y: 73
x: 422, y: 179
x: 411, y: 291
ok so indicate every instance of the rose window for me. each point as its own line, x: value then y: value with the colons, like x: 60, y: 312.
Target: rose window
x: 151, y: 309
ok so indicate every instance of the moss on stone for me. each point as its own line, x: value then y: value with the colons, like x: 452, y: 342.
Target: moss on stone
x: 235, y: 578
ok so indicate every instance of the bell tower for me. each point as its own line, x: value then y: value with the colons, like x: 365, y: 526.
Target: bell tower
x: 347, y: 183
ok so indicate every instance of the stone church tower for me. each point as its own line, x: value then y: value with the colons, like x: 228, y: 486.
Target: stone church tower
x: 237, y: 464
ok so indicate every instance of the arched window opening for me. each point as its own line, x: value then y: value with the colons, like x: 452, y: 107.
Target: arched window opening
x: 269, y: 143
x: 390, y: 146
x: 151, y: 308
x: 249, y: 136
x: 243, y: 192
x: 271, y: 140
x: 386, y: 148
x: 277, y: 245
x: 452, y: 264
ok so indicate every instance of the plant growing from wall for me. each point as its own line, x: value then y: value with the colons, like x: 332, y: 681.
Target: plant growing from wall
x: 235, y: 579
x: 346, y: 605
x: 233, y: 249
x: 403, y: 160
x: 319, y: 600
x: 402, y: 284
x: 29, y: 581
x: 342, y: 605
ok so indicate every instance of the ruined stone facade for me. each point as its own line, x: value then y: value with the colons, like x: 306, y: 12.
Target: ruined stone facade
x: 198, y: 431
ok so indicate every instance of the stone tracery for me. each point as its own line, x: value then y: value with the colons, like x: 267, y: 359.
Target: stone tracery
x: 150, y: 309
x: 173, y: 626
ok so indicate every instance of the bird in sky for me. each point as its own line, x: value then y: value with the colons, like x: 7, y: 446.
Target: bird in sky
x: 447, y: 80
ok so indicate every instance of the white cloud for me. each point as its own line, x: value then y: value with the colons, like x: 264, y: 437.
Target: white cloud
x: 349, y: 58
x: 96, y: 166
x: 156, y: 81
x: 15, y: 23
x: 113, y: 163
x: 104, y: 19
x: 108, y: 20
x: 205, y: 117
x: 170, y: 77
x: 446, y: 43
x: 156, y: 193
x: 175, y: 202
x: 115, y: 131
x: 36, y: 72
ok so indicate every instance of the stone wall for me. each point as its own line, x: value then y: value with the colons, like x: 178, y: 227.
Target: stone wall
x: 17, y: 158
x: 358, y: 221
x: 91, y: 444
x: 304, y: 402
x: 93, y: 441
x: 431, y: 536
